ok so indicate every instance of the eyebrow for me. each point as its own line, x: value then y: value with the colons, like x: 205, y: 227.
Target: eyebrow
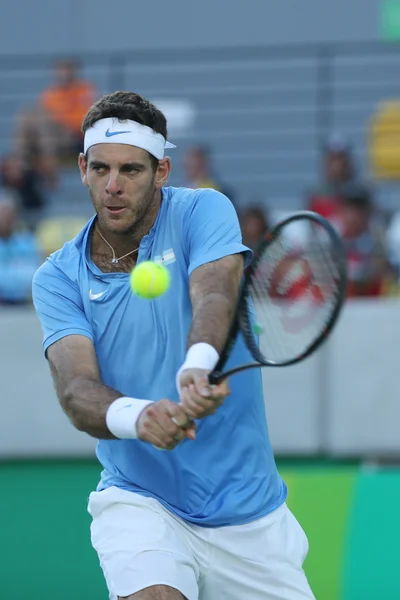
x: 97, y: 163
x: 129, y: 165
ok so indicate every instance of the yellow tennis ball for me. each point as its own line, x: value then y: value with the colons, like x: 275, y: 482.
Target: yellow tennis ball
x: 149, y: 280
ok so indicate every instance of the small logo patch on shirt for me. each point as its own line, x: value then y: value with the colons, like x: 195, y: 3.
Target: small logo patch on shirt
x: 167, y: 257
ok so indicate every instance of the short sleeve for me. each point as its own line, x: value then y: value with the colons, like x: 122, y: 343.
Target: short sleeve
x: 58, y: 304
x: 213, y: 230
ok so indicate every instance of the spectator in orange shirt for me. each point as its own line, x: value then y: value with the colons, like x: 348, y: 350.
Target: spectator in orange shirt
x: 49, y: 134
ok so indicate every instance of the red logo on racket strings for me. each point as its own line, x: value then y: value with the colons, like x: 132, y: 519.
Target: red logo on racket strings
x: 293, y: 290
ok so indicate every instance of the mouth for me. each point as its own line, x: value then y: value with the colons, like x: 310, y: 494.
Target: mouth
x: 115, y: 210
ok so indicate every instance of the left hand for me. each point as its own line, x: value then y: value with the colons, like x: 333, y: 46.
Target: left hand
x: 198, y: 397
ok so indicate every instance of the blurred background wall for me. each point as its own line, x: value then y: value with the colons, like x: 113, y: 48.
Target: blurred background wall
x: 282, y: 106
x: 96, y: 26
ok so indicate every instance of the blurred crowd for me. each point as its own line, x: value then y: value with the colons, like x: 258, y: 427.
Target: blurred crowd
x: 47, y: 138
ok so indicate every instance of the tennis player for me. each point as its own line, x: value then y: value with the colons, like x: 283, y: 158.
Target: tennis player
x: 205, y: 519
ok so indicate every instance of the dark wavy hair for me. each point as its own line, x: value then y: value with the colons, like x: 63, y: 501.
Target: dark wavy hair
x: 127, y: 105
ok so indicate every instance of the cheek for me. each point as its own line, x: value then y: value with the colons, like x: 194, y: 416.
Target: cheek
x: 94, y: 195
x: 143, y: 189
x: 96, y: 184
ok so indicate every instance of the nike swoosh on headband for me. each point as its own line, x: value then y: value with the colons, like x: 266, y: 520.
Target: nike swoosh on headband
x: 141, y: 136
x: 111, y: 133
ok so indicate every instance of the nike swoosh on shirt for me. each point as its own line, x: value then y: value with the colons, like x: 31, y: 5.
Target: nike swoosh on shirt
x: 111, y: 133
x: 95, y: 296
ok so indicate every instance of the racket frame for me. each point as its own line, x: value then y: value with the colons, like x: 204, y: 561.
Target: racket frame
x: 242, y: 320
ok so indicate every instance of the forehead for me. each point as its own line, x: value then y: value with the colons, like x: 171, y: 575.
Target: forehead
x: 118, y: 154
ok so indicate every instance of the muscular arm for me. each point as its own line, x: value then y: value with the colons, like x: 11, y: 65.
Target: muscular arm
x: 82, y: 395
x: 214, y: 292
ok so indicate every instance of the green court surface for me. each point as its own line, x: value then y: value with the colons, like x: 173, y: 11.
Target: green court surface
x: 349, y: 514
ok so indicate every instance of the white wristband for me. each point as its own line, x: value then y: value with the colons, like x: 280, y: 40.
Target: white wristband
x: 122, y: 416
x: 199, y: 356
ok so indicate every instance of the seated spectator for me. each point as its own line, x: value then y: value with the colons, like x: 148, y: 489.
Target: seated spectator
x: 26, y: 186
x: 19, y: 256
x: 198, y: 171
x: 338, y: 179
x: 49, y: 134
x: 364, y: 238
x: 254, y: 225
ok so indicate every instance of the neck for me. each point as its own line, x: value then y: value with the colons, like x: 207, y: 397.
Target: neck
x: 125, y: 242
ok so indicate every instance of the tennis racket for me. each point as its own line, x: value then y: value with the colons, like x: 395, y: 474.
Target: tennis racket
x: 291, y: 297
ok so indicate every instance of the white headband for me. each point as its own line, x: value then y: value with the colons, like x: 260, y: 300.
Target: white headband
x: 114, y: 131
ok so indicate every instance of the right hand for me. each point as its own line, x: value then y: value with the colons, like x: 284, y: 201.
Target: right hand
x: 164, y: 424
x: 198, y: 397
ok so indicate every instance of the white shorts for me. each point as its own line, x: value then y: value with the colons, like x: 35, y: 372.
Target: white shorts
x: 141, y: 544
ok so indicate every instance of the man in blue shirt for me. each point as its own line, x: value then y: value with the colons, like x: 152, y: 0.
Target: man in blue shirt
x: 19, y: 255
x: 207, y: 518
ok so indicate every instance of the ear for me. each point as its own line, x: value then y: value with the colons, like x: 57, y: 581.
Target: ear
x: 82, y: 162
x: 163, y: 171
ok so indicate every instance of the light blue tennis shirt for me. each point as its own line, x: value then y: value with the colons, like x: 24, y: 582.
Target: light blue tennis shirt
x: 228, y: 474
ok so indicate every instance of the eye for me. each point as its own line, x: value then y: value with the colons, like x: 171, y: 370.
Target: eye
x: 98, y: 167
x: 131, y: 169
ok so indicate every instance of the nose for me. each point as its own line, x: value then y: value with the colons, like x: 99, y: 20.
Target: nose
x: 114, y: 185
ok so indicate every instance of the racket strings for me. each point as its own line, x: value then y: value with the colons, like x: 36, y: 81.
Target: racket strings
x: 294, y: 292
x: 265, y: 310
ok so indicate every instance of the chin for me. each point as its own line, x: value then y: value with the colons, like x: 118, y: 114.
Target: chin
x: 118, y: 223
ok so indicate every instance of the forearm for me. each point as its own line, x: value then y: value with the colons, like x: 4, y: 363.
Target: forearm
x: 86, y: 402
x: 91, y: 406
x: 212, y: 320
x: 214, y: 292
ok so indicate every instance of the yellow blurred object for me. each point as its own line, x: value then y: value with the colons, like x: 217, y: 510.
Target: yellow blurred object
x: 391, y: 289
x: 384, y: 141
x: 53, y: 232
